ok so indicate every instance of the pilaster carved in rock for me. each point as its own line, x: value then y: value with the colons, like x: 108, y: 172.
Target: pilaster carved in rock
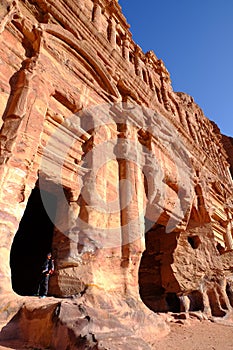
x: 137, y: 61
x: 165, y: 83
x: 197, y: 130
x: 192, y: 128
x: 229, y: 229
x: 85, y: 222
x: 126, y: 44
x: 112, y: 31
x: 97, y: 13
x: 183, y: 118
x: 132, y: 202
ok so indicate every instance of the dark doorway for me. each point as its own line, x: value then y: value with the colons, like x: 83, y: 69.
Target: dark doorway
x: 173, y: 302
x: 32, y: 242
x: 150, y: 279
x: 157, y: 284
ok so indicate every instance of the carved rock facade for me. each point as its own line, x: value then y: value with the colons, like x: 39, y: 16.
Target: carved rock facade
x: 134, y: 178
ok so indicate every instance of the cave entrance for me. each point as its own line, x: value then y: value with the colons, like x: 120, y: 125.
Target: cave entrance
x: 157, y: 285
x: 32, y: 242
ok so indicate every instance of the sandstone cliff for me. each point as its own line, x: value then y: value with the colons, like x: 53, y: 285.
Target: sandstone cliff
x: 228, y: 145
x: 125, y: 180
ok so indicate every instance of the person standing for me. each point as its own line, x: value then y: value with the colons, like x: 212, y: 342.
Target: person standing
x: 47, y: 271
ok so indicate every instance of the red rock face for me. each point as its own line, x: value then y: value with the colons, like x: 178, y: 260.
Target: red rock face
x: 125, y: 180
x: 228, y: 145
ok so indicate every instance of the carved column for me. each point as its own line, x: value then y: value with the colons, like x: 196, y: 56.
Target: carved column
x: 17, y: 106
x: 229, y: 239
x: 150, y: 64
x: 192, y: 128
x: 229, y: 236
x: 126, y: 48
x: 183, y: 118
x: 207, y: 138
x: 221, y: 166
x: 138, y: 68
x: 20, y: 138
x: 203, y: 136
x: 65, y: 237
x: 131, y: 202
x: 197, y: 130
x: 165, y: 84
x: 96, y: 16
x: 112, y: 32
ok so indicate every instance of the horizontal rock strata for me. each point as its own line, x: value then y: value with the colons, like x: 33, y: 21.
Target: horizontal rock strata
x: 124, y: 179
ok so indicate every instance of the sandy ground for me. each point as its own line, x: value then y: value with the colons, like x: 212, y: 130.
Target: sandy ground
x: 192, y: 335
x: 197, y: 335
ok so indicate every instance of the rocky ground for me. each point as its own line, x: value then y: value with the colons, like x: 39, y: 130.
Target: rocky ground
x: 197, y: 335
x: 188, y: 331
x: 192, y: 335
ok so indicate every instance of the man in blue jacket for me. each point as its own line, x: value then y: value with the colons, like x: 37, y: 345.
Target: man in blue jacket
x: 47, y: 270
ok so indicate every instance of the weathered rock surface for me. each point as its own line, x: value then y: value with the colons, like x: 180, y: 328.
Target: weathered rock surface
x: 125, y: 180
x: 228, y: 145
x: 94, y: 321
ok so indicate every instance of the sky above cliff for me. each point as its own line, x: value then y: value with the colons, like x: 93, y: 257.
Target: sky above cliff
x: 195, y: 41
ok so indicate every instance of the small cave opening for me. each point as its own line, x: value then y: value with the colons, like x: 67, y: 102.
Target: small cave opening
x: 32, y: 242
x: 220, y: 248
x: 196, y: 301
x: 155, y: 271
x: 194, y: 241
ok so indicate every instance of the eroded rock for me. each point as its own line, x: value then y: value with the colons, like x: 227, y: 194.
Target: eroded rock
x: 124, y: 179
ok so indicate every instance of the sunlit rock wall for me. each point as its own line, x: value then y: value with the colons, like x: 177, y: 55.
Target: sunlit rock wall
x: 140, y: 175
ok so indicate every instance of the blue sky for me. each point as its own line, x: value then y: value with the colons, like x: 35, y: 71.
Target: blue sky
x: 195, y: 41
